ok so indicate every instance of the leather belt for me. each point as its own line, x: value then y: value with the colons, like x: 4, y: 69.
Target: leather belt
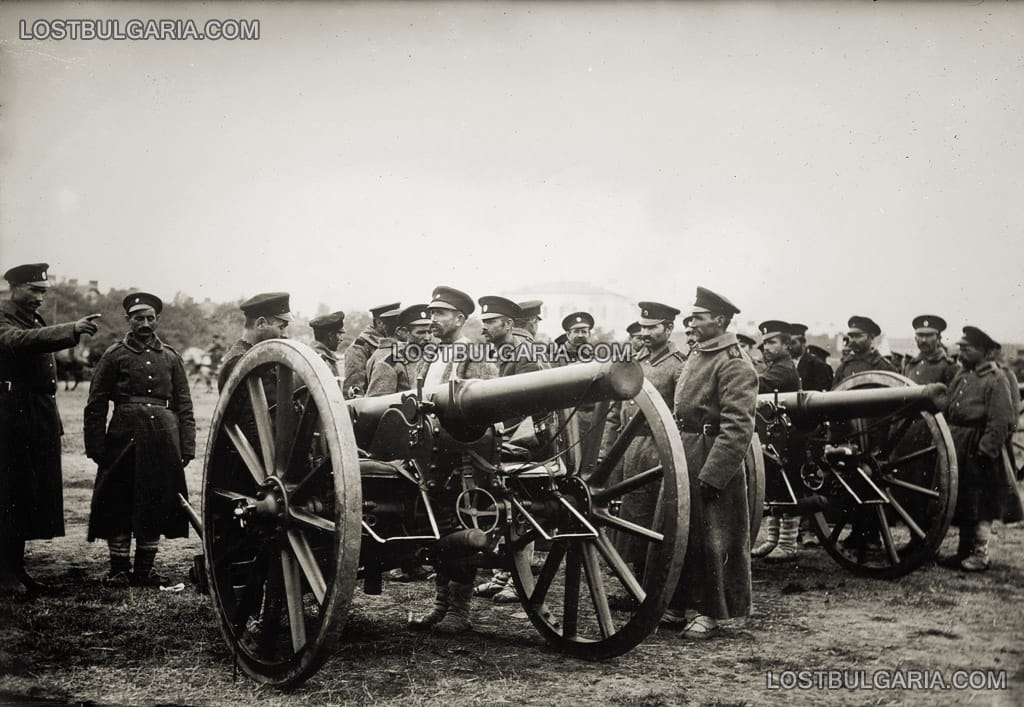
x: 142, y: 400
x: 707, y: 429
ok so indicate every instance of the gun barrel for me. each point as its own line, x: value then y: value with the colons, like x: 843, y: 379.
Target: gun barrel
x: 479, y: 403
x: 811, y: 407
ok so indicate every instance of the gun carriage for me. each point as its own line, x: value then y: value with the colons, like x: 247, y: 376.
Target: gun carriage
x: 871, y: 463
x: 306, y: 494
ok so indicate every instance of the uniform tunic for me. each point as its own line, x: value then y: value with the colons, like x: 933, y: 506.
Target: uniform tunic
x: 858, y: 363
x: 980, y: 414
x: 814, y: 373
x: 31, y: 485
x: 140, y: 452
x: 662, y: 370
x: 388, y: 375
x: 938, y: 367
x: 356, y: 356
x: 717, y: 387
x: 780, y: 375
x: 329, y: 357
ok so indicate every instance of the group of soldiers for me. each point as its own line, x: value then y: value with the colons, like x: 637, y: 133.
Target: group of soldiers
x: 712, y: 388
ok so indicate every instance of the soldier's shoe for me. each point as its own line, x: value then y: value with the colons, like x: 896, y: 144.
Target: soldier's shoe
x: 771, y: 525
x: 436, y: 615
x: 675, y: 618
x: 492, y: 586
x: 782, y: 553
x: 951, y: 561
x: 457, y: 618
x: 701, y: 629
x: 118, y: 580
x: 153, y: 579
x: 975, y: 562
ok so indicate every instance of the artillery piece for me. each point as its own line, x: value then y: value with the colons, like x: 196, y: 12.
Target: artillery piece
x: 871, y: 462
x: 306, y: 493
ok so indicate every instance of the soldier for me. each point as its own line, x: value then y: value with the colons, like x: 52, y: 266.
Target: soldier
x: 327, y: 331
x: 526, y: 323
x: 933, y: 364
x: 979, y: 414
x: 390, y: 373
x: 142, y: 455
x: 357, y: 355
x: 691, y: 338
x: 661, y: 362
x: 636, y: 339
x: 780, y: 375
x: 1012, y: 383
x: 814, y: 372
x: 577, y: 327
x: 714, y: 406
x: 863, y: 354
x: 31, y: 485
x: 266, y: 317
x: 385, y: 343
x: 449, y: 308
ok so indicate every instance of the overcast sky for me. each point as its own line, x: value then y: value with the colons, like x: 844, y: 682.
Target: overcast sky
x: 809, y: 161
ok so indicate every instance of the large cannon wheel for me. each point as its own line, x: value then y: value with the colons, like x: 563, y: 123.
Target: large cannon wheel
x: 281, y: 512
x: 753, y: 465
x: 587, y: 599
x: 912, y: 463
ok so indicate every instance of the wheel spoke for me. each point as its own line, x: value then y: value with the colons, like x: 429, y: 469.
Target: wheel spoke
x: 261, y: 414
x: 285, y: 419
x: 248, y: 598
x: 302, y: 439
x: 226, y: 495
x: 312, y: 520
x: 300, y: 487
x: 620, y: 568
x: 893, y: 481
x: 592, y: 438
x: 571, y: 600
x: 893, y: 463
x: 628, y: 485
x: 307, y: 561
x: 902, y: 512
x: 293, y: 597
x: 547, y: 574
x: 602, y: 518
x: 837, y: 529
x: 595, y: 581
x: 248, y: 454
x: 270, y: 620
x: 899, y: 432
x: 890, y: 546
x: 607, y: 465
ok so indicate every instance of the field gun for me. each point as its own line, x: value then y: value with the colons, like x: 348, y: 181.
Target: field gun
x: 871, y: 463
x: 305, y: 494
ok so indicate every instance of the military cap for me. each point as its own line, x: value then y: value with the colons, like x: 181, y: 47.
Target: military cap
x: 774, y: 327
x: 865, y: 325
x: 381, y: 308
x: 335, y: 321
x: 796, y: 329
x: 450, y: 298
x: 652, y: 313
x: 633, y: 329
x: 978, y: 339
x: 141, y: 300
x: 494, y: 307
x: 688, y: 322
x: 413, y: 315
x: 268, y: 304
x: 32, y: 274
x: 815, y: 349
x: 928, y: 324
x: 577, y: 318
x: 744, y: 339
x: 708, y: 301
x: 531, y: 308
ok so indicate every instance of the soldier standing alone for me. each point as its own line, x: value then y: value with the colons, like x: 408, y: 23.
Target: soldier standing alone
x: 31, y: 485
x: 143, y: 453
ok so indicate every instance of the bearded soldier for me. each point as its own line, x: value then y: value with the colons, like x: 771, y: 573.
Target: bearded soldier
x: 814, y: 371
x: 357, y: 355
x: 714, y: 406
x: 143, y: 453
x: 863, y: 354
x: 391, y: 372
x: 932, y: 364
x: 31, y: 485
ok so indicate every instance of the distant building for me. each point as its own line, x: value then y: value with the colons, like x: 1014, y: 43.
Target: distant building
x: 91, y: 292
x: 612, y: 311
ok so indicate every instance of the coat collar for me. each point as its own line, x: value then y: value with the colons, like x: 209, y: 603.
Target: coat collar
x: 986, y: 368
x: 324, y: 351
x: 722, y: 341
x: 670, y: 350
x: 131, y: 342
x: 29, y: 319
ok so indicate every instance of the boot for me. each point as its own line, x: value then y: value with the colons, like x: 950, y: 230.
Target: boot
x: 457, y: 619
x: 786, y: 549
x: 771, y: 526
x: 12, y: 556
x: 963, y: 548
x: 441, y: 600
x: 978, y: 560
x: 143, y: 574
x: 497, y: 581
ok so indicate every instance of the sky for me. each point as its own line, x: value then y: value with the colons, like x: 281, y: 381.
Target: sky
x: 809, y: 161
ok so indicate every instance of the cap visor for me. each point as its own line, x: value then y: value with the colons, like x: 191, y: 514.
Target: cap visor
x: 438, y: 304
x: 39, y: 283
x: 137, y: 307
x: 649, y: 322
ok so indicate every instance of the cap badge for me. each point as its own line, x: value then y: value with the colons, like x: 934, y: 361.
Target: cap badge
x: 579, y: 319
x: 484, y: 308
x: 925, y: 322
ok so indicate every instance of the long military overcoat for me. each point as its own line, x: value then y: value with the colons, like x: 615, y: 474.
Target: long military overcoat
x: 717, y: 387
x: 31, y: 484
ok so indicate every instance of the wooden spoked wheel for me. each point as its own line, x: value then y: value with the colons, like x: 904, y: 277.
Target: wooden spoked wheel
x: 606, y: 577
x: 753, y: 465
x: 906, y: 478
x: 281, y: 512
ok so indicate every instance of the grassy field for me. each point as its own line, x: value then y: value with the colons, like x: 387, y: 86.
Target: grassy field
x: 84, y: 642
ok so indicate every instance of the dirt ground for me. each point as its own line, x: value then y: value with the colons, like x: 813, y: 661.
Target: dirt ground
x: 84, y: 642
